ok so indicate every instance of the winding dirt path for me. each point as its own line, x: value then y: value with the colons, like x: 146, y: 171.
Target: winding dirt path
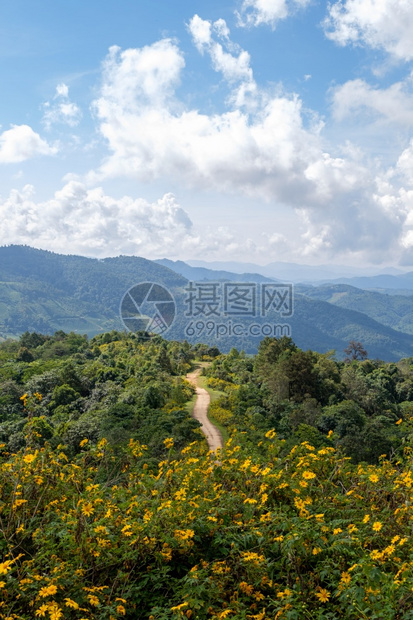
x: 200, y: 412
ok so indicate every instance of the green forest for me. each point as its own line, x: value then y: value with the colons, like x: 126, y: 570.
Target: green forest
x: 111, y: 505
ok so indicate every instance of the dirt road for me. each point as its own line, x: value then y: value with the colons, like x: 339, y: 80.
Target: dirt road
x: 200, y: 413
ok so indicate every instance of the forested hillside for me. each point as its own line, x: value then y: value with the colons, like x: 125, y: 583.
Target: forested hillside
x: 111, y: 507
x: 46, y: 292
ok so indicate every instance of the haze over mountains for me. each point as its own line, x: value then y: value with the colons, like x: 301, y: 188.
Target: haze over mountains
x: 298, y: 272
x: 42, y: 291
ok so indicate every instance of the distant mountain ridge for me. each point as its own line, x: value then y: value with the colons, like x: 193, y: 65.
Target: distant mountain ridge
x: 202, y: 273
x: 395, y: 311
x: 42, y: 291
x: 296, y: 272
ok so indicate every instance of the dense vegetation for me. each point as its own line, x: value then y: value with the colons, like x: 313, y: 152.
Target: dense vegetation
x: 303, y: 395
x: 111, y: 506
x: 113, y: 386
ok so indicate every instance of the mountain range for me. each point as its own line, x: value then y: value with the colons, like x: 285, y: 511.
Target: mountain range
x: 43, y: 291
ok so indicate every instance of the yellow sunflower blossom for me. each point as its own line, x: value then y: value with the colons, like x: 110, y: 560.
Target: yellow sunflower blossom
x: 5, y: 567
x: 323, y: 595
x: 308, y: 475
x: 48, y: 590
x: 41, y: 612
x: 88, y: 509
x: 345, y: 578
x: 93, y: 600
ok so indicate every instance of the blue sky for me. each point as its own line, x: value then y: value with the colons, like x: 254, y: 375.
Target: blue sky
x: 252, y: 130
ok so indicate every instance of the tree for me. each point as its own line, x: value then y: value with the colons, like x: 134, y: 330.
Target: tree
x: 355, y: 351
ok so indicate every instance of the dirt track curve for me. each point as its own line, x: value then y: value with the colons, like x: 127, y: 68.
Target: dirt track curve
x: 200, y: 413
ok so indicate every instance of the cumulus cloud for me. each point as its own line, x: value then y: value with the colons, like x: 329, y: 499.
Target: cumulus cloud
x: 260, y: 146
x: 263, y: 145
x: 379, y: 24
x: 61, y: 110
x: 394, y: 104
x: 404, y: 165
x: 227, y: 57
x: 269, y: 12
x: 21, y: 143
x: 88, y: 221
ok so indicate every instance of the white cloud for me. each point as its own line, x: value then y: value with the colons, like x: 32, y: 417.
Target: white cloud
x: 395, y: 103
x: 263, y: 149
x: 21, y: 143
x: 260, y: 146
x: 404, y: 165
x: 88, y: 221
x: 61, y: 110
x: 227, y: 57
x: 380, y: 24
x: 269, y: 12
x: 135, y: 78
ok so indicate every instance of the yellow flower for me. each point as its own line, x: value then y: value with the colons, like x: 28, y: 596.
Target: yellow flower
x: 179, y: 607
x: 309, y: 475
x: 19, y: 502
x: 48, y: 591
x: 346, y: 578
x: 83, y: 442
x: 121, y: 610
x: 376, y: 554
x: 70, y: 603
x: 323, y: 595
x: 399, y: 421
x: 5, y: 567
x: 93, y: 600
x: 88, y: 509
x: 377, y: 526
x: 55, y: 612
x: 29, y: 458
x: 184, y: 534
x: 246, y: 588
x: 374, y: 478
x: 338, y: 530
x: 168, y: 442
x: 283, y: 594
x: 41, y: 611
x: 2, y: 584
x: 366, y: 518
x: 317, y: 550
